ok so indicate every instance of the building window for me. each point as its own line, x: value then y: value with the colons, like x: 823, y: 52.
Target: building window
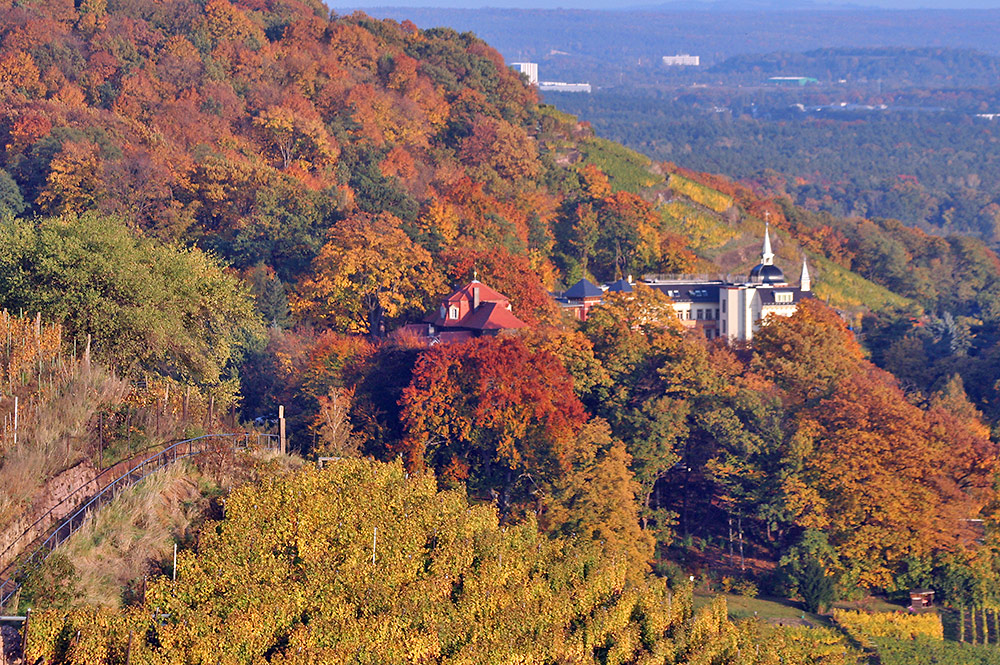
x: 723, y: 305
x: 783, y: 296
x: 723, y: 326
x: 717, y: 314
x: 700, y: 314
x: 453, y: 312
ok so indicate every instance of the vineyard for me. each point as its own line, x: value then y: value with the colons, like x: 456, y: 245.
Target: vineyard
x: 706, y: 196
x: 901, y: 639
x: 359, y: 562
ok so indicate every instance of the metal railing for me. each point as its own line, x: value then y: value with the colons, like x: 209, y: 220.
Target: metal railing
x: 69, y: 525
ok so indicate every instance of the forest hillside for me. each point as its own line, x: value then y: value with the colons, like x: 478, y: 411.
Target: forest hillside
x: 229, y: 207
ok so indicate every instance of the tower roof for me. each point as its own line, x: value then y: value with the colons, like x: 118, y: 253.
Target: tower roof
x: 766, y: 255
x: 583, y: 289
x: 766, y: 272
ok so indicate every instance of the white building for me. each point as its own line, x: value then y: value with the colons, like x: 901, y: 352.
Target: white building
x: 529, y: 69
x: 682, y: 60
x: 714, y: 308
x: 559, y: 86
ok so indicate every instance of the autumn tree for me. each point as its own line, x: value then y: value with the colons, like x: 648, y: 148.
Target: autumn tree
x: 368, y: 271
x: 807, y: 353
x: 494, y: 414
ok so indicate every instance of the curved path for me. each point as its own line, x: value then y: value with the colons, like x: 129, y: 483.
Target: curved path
x: 110, y: 484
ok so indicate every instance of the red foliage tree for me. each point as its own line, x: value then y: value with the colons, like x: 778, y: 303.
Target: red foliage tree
x: 495, y: 414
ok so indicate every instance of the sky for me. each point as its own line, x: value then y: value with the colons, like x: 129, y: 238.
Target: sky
x: 639, y: 4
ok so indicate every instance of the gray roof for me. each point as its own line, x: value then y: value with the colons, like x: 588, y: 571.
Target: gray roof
x: 621, y: 286
x: 583, y: 289
x: 690, y: 291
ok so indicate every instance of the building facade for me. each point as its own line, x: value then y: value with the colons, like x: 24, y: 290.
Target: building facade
x: 714, y: 308
x: 681, y: 60
x: 529, y: 69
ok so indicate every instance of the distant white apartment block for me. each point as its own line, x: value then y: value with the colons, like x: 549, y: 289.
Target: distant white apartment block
x: 530, y: 69
x: 559, y: 86
x: 682, y: 60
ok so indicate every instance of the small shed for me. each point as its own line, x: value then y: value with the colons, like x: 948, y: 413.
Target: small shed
x: 920, y: 598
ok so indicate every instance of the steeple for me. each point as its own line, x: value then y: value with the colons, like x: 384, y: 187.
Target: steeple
x: 805, y: 284
x: 767, y: 256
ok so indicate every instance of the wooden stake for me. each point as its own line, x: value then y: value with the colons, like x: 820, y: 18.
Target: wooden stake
x: 281, y: 430
x: 24, y: 632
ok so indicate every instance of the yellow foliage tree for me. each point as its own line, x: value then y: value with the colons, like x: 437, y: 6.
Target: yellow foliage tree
x: 369, y: 270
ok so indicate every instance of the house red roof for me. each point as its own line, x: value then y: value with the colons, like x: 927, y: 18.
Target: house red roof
x: 486, y: 294
x: 492, y: 316
x: 460, y: 310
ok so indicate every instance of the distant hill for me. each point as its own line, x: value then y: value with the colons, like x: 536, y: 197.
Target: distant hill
x: 924, y: 67
x: 608, y: 47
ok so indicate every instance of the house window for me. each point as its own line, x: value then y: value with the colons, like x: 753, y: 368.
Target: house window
x: 783, y: 296
x: 716, y: 313
x: 723, y: 326
x: 700, y: 314
x: 723, y: 305
x: 453, y: 312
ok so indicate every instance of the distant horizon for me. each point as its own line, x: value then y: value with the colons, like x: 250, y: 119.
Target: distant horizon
x: 675, y: 6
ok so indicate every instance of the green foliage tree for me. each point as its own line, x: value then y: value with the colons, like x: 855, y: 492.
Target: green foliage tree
x: 169, y: 309
x: 815, y: 586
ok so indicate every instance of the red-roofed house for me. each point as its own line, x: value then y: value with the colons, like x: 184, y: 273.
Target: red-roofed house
x: 470, y: 311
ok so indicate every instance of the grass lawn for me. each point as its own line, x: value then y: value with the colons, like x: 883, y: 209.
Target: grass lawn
x: 775, y: 610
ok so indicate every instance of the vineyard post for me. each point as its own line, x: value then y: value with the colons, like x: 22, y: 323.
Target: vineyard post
x: 281, y: 429
x: 15, y: 419
x: 24, y: 632
x: 175, y: 562
x: 100, y: 436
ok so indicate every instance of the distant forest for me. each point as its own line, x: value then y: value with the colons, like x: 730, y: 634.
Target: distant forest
x: 934, y: 169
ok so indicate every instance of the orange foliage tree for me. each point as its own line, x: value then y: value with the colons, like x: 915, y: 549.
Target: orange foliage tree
x: 495, y: 414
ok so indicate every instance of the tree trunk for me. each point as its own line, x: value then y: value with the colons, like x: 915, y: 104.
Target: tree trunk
x: 739, y: 528
x: 730, y: 518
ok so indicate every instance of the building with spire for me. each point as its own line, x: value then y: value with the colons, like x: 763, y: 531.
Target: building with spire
x: 728, y: 308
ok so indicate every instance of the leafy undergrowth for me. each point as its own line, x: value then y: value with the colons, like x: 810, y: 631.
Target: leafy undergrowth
x: 56, y: 437
x: 107, y: 562
x: 847, y: 290
x: 626, y: 170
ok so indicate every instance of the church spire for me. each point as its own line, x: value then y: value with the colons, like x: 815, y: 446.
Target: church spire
x: 767, y: 256
x: 805, y: 284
